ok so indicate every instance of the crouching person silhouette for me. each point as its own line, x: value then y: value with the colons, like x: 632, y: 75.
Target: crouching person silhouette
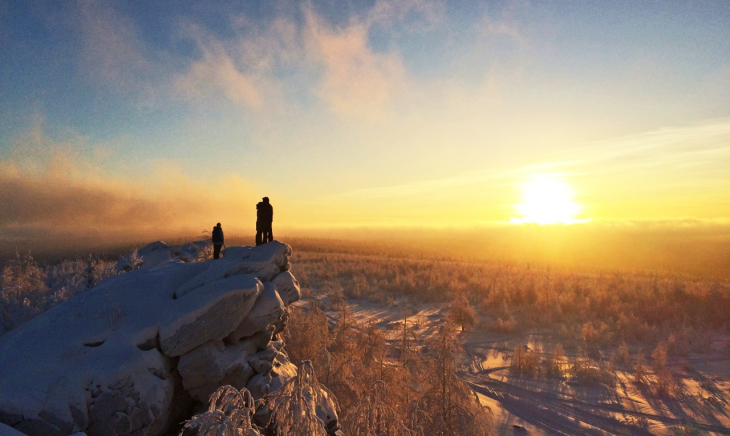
x: 217, y: 237
x: 264, y: 218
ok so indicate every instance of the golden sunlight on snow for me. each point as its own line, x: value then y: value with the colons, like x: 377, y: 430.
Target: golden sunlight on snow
x: 547, y: 199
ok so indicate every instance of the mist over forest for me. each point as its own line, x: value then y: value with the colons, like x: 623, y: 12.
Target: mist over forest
x: 694, y: 248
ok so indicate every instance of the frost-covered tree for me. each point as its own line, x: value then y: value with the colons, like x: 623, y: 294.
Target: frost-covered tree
x: 229, y: 414
x: 449, y: 407
x: 375, y: 415
x: 300, y: 406
x: 307, y: 336
x: 461, y: 313
x: 24, y: 291
x: 28, y: 289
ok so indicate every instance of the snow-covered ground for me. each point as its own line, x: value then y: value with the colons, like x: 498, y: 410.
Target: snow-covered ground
x: 541, y: 405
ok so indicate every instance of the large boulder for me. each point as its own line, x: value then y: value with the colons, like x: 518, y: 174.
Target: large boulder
x: 274, y: 370
x: 213, y: 364
x: 114, y: 360
x: 288, y: 288
x: 268, y: 310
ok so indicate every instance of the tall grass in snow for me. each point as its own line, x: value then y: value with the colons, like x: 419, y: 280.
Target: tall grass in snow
x: 598, y: 308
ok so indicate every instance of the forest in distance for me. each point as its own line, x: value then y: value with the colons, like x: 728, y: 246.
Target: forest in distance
x: 692, y: 249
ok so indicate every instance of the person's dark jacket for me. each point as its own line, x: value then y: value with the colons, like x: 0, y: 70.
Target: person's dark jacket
x: 217, y: 235
x: 264, y: 214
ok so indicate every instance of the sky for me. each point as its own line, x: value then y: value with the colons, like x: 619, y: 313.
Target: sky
x: 131, y: 116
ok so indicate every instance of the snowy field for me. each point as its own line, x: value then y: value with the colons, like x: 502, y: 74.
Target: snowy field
x: 549, y: 351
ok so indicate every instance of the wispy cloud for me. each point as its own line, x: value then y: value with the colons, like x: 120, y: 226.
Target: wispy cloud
x: 217, y: 71
x: 687, y: 155
x: 355, y: 79
x: 244, y: 69
x: 430, y: 188
x: 673, y: 172
x: 336, y: 63
x: 268, y: 66
x: 113, y: 52
x: 396, y: 12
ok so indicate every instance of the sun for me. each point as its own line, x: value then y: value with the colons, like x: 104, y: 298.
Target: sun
x: 547, y: 199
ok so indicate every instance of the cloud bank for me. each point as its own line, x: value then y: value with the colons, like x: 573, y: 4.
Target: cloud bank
x: 50, y: 190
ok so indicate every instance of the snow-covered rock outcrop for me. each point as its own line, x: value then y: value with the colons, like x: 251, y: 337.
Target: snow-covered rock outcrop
x: 128, y: 356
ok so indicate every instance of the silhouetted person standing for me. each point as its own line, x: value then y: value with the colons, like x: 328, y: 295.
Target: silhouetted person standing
x: 264, y: 218
x: 217, y: 237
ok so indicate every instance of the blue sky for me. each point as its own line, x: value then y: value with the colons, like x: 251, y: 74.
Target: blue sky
x: 313, y: 102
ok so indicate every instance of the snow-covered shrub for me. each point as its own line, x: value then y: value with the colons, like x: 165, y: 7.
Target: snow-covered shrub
x: 588, y: 371
x: 130, y: 262
x: 229, y: 414
x: 296, y: 408
x: 504, y: 325
x: 623, y: 353
x: 659, y: 356
x: 628, y: 306
x: 665, y: 383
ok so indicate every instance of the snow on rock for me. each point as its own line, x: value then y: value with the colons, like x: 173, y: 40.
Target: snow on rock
x: 115, y: 360
x: 325, y: 406
x: 264, y: 264
x: 327, y: 411
x: 201, y: 323
x: 9, y: 431
x: 288, y: 287
x: 278, y: 371
x: 158, y: 253
x: 267, y: 311
x: 213, y: 364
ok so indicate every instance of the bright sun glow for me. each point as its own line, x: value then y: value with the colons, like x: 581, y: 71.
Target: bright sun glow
x: 547, y: 199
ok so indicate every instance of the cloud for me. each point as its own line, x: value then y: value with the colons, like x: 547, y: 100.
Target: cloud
x: 693, y: 154
x: 266, y: 63
x: 244, y: 69
x: 113, y: 51
x: 423, y: 14
x: 429, y: 188
x: 217, y: 72
x: 268, y: 66
x: 53, y: 188
x: 490, y: 27
x: 671, y: 172
x: 355, y: 79
x: 57, y: 203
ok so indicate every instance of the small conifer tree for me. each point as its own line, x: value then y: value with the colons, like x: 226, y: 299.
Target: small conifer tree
x: 461, y: 313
